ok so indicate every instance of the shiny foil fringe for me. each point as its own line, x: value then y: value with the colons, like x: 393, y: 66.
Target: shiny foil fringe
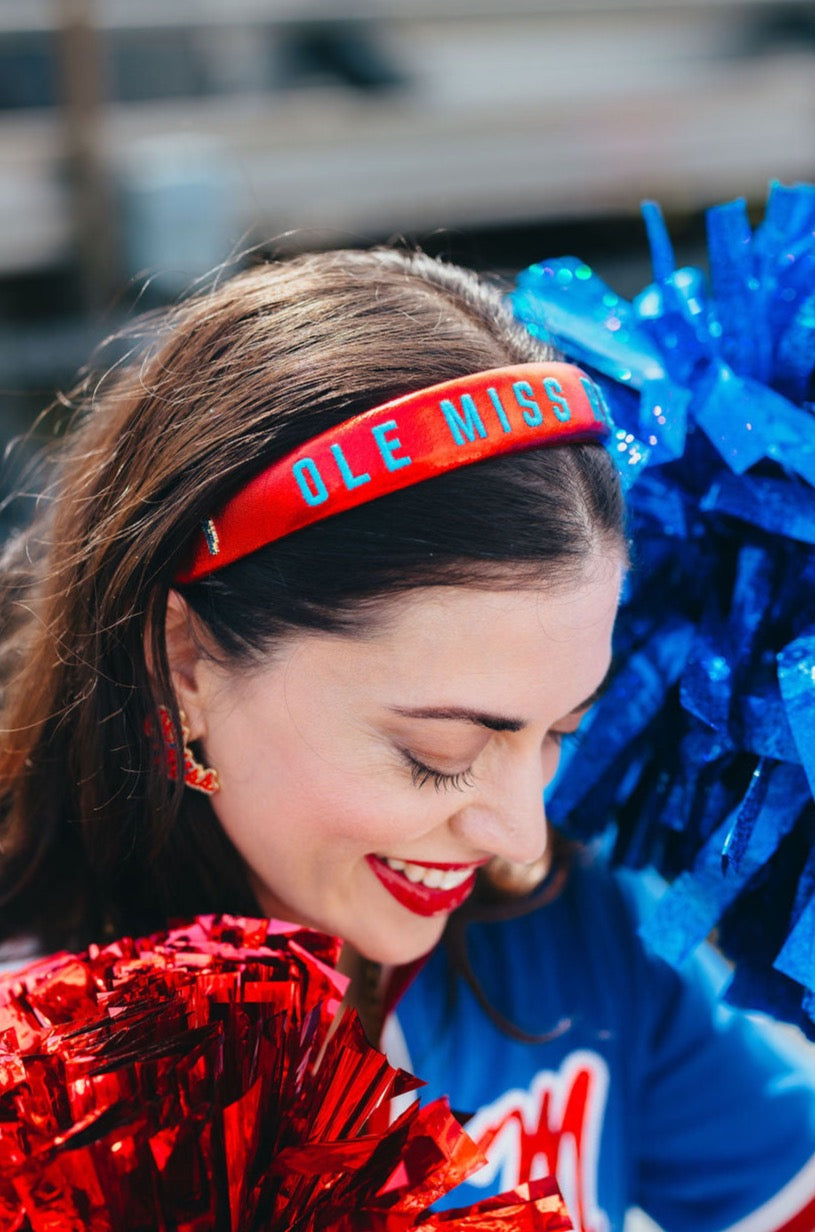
x: 201, y: 1080
x: 701, y: 758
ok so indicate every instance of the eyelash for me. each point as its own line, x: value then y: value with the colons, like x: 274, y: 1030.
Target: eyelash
x: 421, y: 774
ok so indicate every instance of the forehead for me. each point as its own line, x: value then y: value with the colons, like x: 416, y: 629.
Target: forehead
x: 463, y: 645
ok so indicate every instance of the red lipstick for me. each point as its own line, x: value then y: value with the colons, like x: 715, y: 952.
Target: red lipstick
x: 421, y: 899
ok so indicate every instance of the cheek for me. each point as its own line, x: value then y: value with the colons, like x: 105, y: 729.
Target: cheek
x: 374, y: 809
x: 295, y: 786
x: 296, y: 767
x: 551, y: 760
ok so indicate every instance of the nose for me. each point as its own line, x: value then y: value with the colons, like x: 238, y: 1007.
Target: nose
x: 506, y: 817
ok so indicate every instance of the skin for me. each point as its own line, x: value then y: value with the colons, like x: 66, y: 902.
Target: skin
x: 317, y: 749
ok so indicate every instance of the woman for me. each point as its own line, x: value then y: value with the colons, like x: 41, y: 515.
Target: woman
x: 361, y: 613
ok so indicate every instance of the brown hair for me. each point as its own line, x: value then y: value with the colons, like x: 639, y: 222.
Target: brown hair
x: 93, y: 834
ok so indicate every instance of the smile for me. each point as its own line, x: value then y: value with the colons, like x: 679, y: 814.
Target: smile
x: 425, y: 889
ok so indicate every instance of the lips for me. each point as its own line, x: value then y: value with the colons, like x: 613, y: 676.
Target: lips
x: 425, y: 889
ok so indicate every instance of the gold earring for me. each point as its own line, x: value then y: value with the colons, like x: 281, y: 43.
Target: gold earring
x: 200, y: 778
x: 517, y: 879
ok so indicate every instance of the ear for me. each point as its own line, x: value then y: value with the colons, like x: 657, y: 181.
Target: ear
x: 188, y: 662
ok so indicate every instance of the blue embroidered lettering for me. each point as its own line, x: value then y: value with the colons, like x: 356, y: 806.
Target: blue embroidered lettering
x: 523, y: 396
x: 499, y: 410
x: 388, y: 445
x: 350, y: 480
x: 310, y: 481
x: 463, y: 426
x: 555, y: 394
x: 598, y: 403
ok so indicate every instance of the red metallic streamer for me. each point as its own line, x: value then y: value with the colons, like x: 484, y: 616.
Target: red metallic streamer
x: 206, y: 1079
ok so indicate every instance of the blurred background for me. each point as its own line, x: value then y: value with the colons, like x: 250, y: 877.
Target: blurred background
x: 145, y: 142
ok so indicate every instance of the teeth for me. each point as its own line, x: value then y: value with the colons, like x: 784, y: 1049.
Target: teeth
x: 455, y: 877
x: 433, y: 878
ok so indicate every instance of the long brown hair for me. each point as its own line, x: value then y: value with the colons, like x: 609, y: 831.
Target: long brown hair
x: 94, y: 836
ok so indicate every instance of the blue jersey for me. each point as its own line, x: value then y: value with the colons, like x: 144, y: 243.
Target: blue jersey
x: 647, y: 1092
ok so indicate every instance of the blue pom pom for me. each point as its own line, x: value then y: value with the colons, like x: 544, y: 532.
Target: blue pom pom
x: 703, y: 751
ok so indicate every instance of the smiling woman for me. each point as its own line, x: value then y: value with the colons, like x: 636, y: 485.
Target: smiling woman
x: 403, y: 759
x: 327, y: 575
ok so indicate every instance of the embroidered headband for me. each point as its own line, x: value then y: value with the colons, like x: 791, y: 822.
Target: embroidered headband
x: 398, y: 444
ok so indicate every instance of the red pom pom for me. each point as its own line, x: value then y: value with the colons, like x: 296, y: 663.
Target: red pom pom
x: 201, y: 1079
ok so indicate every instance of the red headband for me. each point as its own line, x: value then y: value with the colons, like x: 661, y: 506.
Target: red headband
x: 399, y: 444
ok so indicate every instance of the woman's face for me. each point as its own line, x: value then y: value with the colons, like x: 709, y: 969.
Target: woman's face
x: 364, y: 778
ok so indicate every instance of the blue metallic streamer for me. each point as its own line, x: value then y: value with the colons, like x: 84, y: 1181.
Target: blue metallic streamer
x: 711, y: 385
x: 775, y: 505
x: 796, y: 678
x: 659, y: 241
x: 795, y: 957
x: 696, y: 900
x: 795, y: 352
x: 663, y: 418
x: 706, y: 685
x: 740, y: 832
x: 598, y: 325
x: 738, y: 292
x: 761, y: 725
x: 628, y: 706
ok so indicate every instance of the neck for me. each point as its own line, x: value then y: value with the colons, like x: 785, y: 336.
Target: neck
x: 366, y: 992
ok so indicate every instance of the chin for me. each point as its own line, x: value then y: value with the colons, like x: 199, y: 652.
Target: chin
x: 396, y: 951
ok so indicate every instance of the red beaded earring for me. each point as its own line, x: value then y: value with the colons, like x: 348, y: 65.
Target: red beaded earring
x: 200, y: 778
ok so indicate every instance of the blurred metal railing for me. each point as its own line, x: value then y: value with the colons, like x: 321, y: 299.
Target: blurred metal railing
x: 494, y: 112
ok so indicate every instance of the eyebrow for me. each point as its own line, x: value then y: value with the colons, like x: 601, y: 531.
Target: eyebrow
x: 492, y: 722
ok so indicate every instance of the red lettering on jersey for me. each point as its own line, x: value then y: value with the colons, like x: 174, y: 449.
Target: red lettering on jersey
x: 553, y: 1128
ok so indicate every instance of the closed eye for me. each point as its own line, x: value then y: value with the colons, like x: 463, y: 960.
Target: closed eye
x: 422, y: 774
